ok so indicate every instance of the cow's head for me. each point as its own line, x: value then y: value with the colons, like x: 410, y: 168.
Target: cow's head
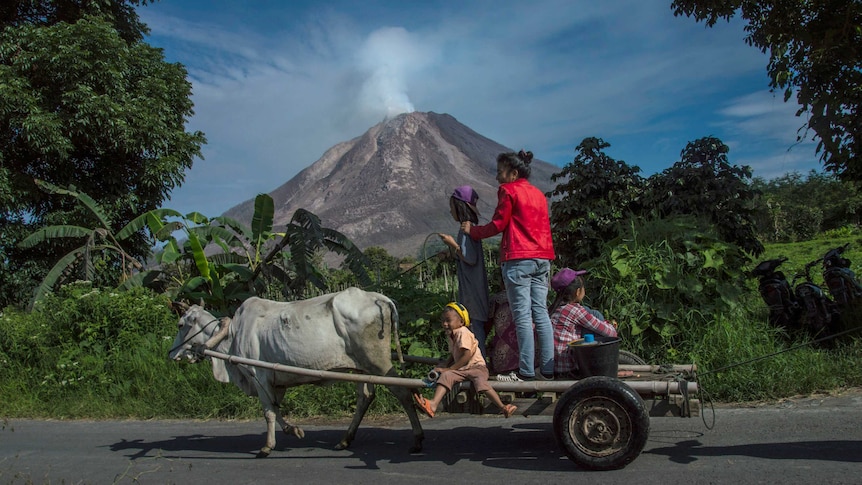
x: 196, y: 326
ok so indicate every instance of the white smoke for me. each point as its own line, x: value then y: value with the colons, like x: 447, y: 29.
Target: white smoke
x: 386, y: 59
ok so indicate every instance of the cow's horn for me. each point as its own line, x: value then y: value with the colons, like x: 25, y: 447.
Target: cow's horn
x: 180, y: 307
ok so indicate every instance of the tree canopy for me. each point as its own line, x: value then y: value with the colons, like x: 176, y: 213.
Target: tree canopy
x: 596, y: 192
x: 815, y: 52
x: 599, y: 198
x: 705, y: 184
x: 84, y: 104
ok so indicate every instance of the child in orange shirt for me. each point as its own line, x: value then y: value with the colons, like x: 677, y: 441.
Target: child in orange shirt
x: 465, y: 363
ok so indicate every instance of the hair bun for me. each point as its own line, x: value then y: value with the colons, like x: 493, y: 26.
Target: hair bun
x: 525, y: 157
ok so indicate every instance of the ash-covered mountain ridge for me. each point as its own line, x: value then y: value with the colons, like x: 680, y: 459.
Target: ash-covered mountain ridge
x: 390, y: 187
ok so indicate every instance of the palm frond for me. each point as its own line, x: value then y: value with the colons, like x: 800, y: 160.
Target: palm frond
x: 148, y: 219
x: 261, y: 222
x: 85, y: 199
x: 66, y: 262
x: 355, y: 259
x: 51, y: 232
x: 197, y: 218
x: 199, y: 256
x: 233, y: 224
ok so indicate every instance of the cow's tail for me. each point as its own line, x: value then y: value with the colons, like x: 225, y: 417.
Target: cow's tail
x: 393, y: 312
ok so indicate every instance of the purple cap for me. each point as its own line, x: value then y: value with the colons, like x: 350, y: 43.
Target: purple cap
x: 564, y: 278
x: 466, y: 194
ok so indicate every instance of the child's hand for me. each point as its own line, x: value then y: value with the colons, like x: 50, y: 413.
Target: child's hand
x: 465, y: 226
x: 448, y: 240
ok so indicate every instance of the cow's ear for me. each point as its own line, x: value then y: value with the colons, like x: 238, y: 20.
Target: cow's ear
x: 179, y: 307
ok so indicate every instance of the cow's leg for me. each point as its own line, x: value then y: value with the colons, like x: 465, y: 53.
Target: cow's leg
x: 285, y: 426
x: 405, y: 397
x: 269, y: 415
x: 364, y: 398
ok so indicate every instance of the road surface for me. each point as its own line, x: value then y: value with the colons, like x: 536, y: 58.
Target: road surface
x: 803, y: 440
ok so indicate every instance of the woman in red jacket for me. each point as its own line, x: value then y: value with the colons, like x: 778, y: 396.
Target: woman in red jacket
x: 526, y: 252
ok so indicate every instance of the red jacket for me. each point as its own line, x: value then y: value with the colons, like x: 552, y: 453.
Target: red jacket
x: 522, y: 216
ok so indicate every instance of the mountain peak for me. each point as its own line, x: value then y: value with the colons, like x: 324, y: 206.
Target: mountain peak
x: 390, y: 187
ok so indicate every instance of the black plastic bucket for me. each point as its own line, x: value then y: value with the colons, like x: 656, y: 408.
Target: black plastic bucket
x: 598, y: 359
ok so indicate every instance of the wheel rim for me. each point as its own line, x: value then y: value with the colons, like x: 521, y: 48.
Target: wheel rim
x: 600, y: 426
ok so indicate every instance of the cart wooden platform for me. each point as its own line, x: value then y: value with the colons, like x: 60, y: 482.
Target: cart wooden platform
x: 600, y: 422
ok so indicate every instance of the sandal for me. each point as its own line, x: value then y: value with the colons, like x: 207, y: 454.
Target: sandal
x: 423, y: 404
x: 509, y: 409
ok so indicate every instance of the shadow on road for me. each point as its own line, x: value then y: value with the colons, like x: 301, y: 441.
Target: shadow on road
x: 500, y: 447
x: 689, y: 450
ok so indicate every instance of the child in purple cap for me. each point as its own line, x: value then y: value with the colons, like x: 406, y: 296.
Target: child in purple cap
x: 470, y: 257
x: 571, y: 320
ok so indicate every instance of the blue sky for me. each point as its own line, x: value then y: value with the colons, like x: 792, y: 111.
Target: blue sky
x: 277, y: 83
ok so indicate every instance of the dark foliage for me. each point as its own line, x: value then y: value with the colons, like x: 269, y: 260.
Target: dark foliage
x: 815, y: 53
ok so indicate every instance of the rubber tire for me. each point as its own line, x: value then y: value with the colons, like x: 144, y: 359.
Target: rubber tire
x: 628, y: 358
x: 601, y: 403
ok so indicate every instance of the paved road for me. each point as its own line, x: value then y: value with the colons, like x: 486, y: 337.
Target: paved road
x: 805, y: 440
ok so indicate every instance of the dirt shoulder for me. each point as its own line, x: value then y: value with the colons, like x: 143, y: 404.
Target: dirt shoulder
x: 799, y: 398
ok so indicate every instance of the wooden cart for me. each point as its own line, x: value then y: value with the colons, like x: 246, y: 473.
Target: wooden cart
x: 600, y: 422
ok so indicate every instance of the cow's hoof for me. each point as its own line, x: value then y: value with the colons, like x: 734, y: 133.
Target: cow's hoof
x: 264, y: 452
x: 416, y: 448
x: 294, y: 430
x: 342, y: 445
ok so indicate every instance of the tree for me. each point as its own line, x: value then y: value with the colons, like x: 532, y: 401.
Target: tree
x: 121, y: 14
x: 381, y: 265
x: 84, y: 103
x: 597, y: 193
x: 704, y: 184
x: 794, y: 207
x: 815, y: 50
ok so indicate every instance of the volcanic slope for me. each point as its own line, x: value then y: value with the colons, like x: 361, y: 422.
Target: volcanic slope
x: 390, y: 187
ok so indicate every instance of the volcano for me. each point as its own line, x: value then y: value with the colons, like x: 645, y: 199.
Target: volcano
x: 390, y: 187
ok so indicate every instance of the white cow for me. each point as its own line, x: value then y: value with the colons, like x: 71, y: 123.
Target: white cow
x: 348, y: 330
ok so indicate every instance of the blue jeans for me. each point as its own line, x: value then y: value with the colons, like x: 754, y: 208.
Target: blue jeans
x: 527, y: 290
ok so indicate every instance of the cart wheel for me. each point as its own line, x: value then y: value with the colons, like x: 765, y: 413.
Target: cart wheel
x: 628, y: 358
x: 601, y: 423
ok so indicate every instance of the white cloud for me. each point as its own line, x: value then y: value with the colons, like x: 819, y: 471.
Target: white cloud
x: 274, y: 90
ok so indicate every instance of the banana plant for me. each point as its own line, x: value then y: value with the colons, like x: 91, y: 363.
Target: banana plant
x: 305, y: 238
x: 250, y: 257
x: 98, y: 239
x: 184, y: 270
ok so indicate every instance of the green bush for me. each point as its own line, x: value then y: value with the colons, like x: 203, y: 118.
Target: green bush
x: 91, y: 353
x: 664, y: 280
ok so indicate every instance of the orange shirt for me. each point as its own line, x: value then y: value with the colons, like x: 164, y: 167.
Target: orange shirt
x: 463, y: 341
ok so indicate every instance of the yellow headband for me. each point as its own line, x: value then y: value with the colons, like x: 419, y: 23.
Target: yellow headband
x: 461, y: 311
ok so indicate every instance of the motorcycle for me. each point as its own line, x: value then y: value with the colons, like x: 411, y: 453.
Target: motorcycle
x: 784, y: 309
x: 819, y: 312
x: 843, y: 286
x: 840, y: 280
